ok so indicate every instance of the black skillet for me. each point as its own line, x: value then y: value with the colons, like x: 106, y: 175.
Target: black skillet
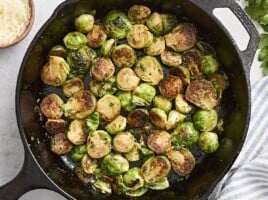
x: 42, y: 169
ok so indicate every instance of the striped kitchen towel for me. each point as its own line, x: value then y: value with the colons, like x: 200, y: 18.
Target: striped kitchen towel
x: 248, y: 177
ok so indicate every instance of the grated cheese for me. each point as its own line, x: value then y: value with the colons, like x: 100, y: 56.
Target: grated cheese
x: 14, y: 18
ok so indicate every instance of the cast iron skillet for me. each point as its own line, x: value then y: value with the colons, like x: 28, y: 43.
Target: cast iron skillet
x: 42, y: 169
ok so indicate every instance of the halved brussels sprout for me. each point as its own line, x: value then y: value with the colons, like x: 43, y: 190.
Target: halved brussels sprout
x: 133, y: 179
x: 169, y: 22
x: 102, y: 186
x: 84, y: 23
x: 115, y: 164
x: 117, y: 125
x: 182, y: 105
x: 58, y: 51
x: 220, y: 83
x: 149, y: 70
x: 202, y: 94
x: 143, y: 95
x: 154, y: 23
x: 96, y: 37
x: 102, y: 69
x: 92, y: 122
x: 123, y: 56
x: 74, y: 40
x: 107, y: 47
x: 82, y: 176
x: 78, y: 152
x: 138, y: 118
x: 117, y: 24
x: 139, y: 36
x: 101, y: 88
x: 209, y: 65
x: 171, y: 58
x: 123, y: 142
x: 127, y: 80
x: 55, y: 126
x: 72, y: 86
x: 59, y: 144
x: 139, y: 13
x: 160, y: 185
x: 88, y: 164
x: 205, y: 48
x: 133, y: 155
x: 51, y: 106
x: 208, y: 142
x: 158, y: 117
x: 185, y: 134
x: 162, y: 103
x: 109, y: 107
x: 182, y: 37
x: 174, y: 117
x: 126, y: 100
x: 170, y: 86
x: 183, y: 73
x: 157, y: 47
x: 182, y: 161
x: 76, y: 133
x: 159, y: 141
x: 205, y: 120
x: 155, y: 169
x: 193, y: 61
x: 55, y: 72
x: 99, y: 144
x: 80, y: 105
x: 137, y: 193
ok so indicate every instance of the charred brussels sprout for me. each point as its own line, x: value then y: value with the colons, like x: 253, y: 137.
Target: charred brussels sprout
x: 183, y: 73
x: 126, y: 100
x: 156, y: 48
x: 169, y: 22
x: 182, y: 105
x: 55, y: 72
x: 205, y: 120
x: 193, y: 61
x: 159, y: 185
x: 159, y: 141
x: 170, y: 86
x: 84, y: 23
x: 133, y: 155
x: 59, y: 51
x: 55, y: 126
x: 123, y: 142
x: 74, y: 40
x: 96, y: 37
x: 133, y: 179
x: 143, y: 95
x: 72, y: 86
x: 174, y: 117
x: 102, y: 69
x: 138, y: 118
x: 51, y: 106
x: 158, y: 117
x: 101, y: 88
x: 107, y: 47
x: 208, y: 142
x: 220, y: 83
x: 139, y: 13
x: 60, y: 145
x: 114, y: 164
x: 123, y: 56
x: 162, y: 103
x: 202, y: 94
x: 139, y: 36
x: 93, y: 122
x: 127, y: 80
x: 205, y: 48
x: 154, y: 23
x: 76, y: 132
x: 171, y: 58
x: 117, y: 24
x: 117, y: 125
x: 78, y: 152
x: 209, y: 65
x: 88, y: 164
x: 149, y: 70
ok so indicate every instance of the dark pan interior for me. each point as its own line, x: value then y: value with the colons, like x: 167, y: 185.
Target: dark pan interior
x: 235, y: 104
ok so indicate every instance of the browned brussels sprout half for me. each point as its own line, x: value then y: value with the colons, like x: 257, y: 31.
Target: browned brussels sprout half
x: 192, y: 60
x: 51, y: 106
x: 139, y: 13
x: 102, y: 69
x: 96, y: 37
x: 183, y: 73
x: 159, y: 141
x: 55, y: 126
x: 72, y: 86
x: 138, y: 118
x: 123, y: 142
x: 60, y: 145
x: 76, y: 132
x: 123, y: 56
x: 170, y: 86
x: 139, y: 36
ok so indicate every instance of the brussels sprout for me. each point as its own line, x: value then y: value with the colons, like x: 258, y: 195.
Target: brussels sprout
x: 155, y: 169
x: 115, y: 164
x: 185, y: 134
x: 76, y: 133
x: 209, y: 65
x: 99, y: 144
x: 158, y: 117
x: 208, y: 142
x: 123, y: 142
x: 106, y: 48
x: 171, y: 58
x: 51, y: 106
x: 80, y: 60
x: 102, y: 69
x: 156, y: 48
x: 102, y: 186
x: 183, y: 73
x: 174, y: 117
x: 154, y: 23
x: 84, y: 23
x: 160, y: 185
x: 74, y: 40
x: 133, y: 155
x: 117, y: 125
x: 109, y: 107
x: 139, y: 36
x: 205, y: 120
x: 138, y: 118
x: 78, y: 152
x: 80, y: 105
x: 169, y: 22
x: 139, y: 13
x: 84, y: 177
x: 96, y: 37
x: 117, y: 24
x: 182, y: 37
x: 170, y: 86
x: 220, y: 83
x: 88, y: 164
x: 182, y: 161
x: 193, y: 61
x: 55, y: 72
x: 93, y: 122
x: 60, y: 145
x: 149, y: 70
x: 126, y: 100
x: 205, y: 48
x: 182, y: 105
x: 159, y: 141
x: 127, y: 80
x: 123, y: 56
x: 162, y: 103
x: 133, y: 179
x: 143, y: 95
x: 137, y: 193
x: 145, y: 151
x: 55, y: 126
x: 72, y: 86
x: 202, y: 94
x: 101, y: 88
x: 58, y: 51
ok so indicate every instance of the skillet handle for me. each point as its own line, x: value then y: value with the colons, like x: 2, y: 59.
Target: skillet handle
x: 248, y: 54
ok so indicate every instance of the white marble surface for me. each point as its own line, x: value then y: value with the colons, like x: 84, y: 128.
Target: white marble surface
x: 11, y: 149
